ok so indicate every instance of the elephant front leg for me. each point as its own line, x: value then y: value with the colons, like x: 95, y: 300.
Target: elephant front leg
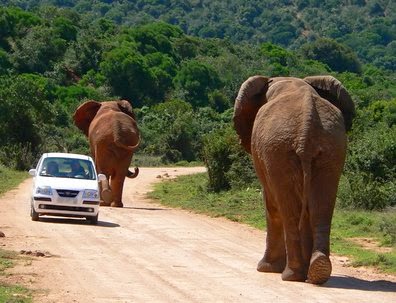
x: 106, y: 196
x: 274, y: 259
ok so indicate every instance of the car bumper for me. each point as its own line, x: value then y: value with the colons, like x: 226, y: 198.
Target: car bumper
x: 48, y: 206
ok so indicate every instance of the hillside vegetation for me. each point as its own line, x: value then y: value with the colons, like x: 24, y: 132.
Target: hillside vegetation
x: 366, y: 26
x: 181, y: 63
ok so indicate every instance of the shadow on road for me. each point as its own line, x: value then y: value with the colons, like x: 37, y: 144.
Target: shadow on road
x: 76, y: 221
x: 346, y: 282
x: 145, y: 208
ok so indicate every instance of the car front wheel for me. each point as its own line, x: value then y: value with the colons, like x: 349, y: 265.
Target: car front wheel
x: 93, y: 220
x: 34, y: 214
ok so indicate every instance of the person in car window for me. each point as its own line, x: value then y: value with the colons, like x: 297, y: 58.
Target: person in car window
x: 52, y: 168
x: 77, y: 169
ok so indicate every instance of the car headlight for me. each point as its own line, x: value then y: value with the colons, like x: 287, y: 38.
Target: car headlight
x: 90, y: 194
x: 44, y: 190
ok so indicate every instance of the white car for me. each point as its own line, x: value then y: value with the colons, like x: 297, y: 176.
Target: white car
x: 65, y: 185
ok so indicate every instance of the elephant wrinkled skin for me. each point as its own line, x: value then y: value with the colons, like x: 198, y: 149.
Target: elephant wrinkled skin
x: 295, y: 130
x: 113, y: 137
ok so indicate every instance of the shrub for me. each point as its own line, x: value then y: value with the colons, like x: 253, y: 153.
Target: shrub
x: 388, y: 228
x: 370, y: 171
x: 227, y: 164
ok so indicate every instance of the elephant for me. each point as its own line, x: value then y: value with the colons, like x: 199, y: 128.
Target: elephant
x: 113, y: 138
x: 295, y: 130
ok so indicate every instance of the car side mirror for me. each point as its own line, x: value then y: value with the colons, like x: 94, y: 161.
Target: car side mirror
x: 32, y: 172
x: 101, y: 177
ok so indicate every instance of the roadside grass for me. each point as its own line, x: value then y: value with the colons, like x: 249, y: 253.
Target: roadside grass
x: 246, y: 206
x: 10, y: 178
x: 142, y: 160
x: 11, y: 293
x: 189, y: 192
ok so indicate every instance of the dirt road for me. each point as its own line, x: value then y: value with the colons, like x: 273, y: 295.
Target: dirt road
x: 145, y: 252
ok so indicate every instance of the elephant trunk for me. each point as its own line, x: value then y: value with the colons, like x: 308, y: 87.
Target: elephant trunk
x: 251, y: 97
x: 133, y: 175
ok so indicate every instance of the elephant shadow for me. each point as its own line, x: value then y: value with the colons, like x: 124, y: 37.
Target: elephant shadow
x: 76, y: 221
x: 346, y: 282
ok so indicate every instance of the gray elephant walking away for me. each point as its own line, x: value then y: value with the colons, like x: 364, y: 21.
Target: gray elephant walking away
x: 295, y: 130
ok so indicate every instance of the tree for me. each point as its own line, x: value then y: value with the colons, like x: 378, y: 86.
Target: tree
x: 338, y: 57
x: 156, y: 37
x: 128, y: 73
x: 196, y: 80
x: 38, y: 50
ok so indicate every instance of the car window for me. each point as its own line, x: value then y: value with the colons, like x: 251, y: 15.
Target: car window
x: 67, y: 168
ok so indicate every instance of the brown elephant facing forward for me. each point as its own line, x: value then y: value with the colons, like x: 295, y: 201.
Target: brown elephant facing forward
x: 295, y: 130
x: 113, y: 137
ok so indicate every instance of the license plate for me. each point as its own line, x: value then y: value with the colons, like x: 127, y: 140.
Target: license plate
x: 68, y: 200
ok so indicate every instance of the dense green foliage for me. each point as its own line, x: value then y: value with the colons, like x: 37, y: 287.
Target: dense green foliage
x: 180, y: 64
x: 368, y: 27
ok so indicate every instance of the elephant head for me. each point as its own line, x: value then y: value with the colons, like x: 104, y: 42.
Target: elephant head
x: 252, y: 95
x: 332, y: 90
x: 250, y: 98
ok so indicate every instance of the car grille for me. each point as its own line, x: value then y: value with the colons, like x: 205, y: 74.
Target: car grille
x: 67, y: 193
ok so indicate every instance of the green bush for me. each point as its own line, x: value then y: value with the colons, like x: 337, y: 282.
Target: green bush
x: 370, y: 171
x: 360, y: 191
x: 228, y: 165
x: 388, y: 228
x: 216, y: 153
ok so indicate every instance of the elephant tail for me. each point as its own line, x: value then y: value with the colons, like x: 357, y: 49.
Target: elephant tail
x: 306, y: 167
x: 133, y: 175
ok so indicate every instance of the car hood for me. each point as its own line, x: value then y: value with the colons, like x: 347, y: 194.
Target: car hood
x: 66, y: 183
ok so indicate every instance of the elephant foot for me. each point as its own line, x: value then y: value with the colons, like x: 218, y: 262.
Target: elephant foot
x: 319, y: 268
x: 293, y: 275
x: 103, y: 203
x: 107, y: 196
x: 116, y: 204
x: 276, y: 267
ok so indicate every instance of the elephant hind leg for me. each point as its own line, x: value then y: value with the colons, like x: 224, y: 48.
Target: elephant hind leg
x: 297, y: 242
x: 274, y: 259
x: 319, y: 269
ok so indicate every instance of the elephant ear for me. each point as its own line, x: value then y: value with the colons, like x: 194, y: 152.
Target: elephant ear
x: 126, y: 107
x: 84, y: 115
x: 251, y: 97
x: 332, y: 90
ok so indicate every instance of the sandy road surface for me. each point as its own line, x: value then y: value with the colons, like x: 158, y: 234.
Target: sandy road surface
x: 149, y: 253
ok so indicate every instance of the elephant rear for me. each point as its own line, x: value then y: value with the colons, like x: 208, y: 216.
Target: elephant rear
x: 295, y: 130
x: 114, y: 136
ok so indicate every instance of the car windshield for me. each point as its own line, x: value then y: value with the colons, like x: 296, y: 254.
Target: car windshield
x: 67, y: 168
